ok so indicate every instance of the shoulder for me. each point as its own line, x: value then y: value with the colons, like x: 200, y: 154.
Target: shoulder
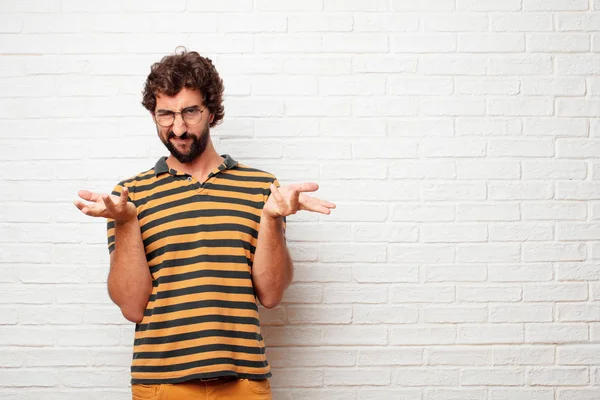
x: 251, y: 174
x: 134, y: 182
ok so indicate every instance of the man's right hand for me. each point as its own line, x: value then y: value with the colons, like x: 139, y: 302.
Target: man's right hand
x: 107, y: 206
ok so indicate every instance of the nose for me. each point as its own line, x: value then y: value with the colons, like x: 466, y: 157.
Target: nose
x: 178, y: 125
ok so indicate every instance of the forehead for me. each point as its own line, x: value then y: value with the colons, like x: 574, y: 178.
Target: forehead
x: 185, y: 98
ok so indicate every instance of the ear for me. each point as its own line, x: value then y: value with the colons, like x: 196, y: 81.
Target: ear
x: 212, y: 117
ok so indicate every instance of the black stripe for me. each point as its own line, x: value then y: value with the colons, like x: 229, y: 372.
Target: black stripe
x: 245, y: 178
x: 142, y: 176
x: 199, y: 259
x: 165, y: 193
x: 250, y: 169
x: 211, y: 243
x: 236, y: 189
x: 199, y: 363
x: 228, y: 319
x: 258, y: 205
x: 197, y: 350
x: 204, y: 273
x: 186, y: 230
x: 217, y: 374
x: 199, y: 214
x: 197, y: 335
x: 201, y: 289
x: 242, y: 305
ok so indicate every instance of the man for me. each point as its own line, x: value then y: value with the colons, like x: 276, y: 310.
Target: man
x: 193, y: 242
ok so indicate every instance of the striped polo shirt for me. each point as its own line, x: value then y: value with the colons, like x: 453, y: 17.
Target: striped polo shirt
x: 202, y: 318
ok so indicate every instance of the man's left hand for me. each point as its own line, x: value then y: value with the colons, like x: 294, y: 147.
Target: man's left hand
x: 289, y: 199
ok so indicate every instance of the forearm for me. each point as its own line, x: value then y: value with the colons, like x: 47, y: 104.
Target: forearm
x: 272, y: 270
x: 129, y: 280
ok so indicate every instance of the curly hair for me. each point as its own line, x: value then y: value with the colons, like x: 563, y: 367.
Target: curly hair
x: 189, y: 70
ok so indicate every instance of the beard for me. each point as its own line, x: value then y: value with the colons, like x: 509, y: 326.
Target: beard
x: 197, y: 146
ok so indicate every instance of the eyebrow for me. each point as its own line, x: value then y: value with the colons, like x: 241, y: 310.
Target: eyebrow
x: 185, y: 108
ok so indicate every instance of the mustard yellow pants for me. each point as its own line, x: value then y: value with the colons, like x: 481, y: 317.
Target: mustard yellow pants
x: 236, y: 389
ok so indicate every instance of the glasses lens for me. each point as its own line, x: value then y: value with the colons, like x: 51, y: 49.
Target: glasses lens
x: 192, y: 117
x: 165, y: 119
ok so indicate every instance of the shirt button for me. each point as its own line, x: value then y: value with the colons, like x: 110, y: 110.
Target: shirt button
x: 189, y: 178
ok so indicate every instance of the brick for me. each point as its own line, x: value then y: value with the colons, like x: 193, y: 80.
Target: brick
x: 558, y: 376
x: 554, y: 169
x: 455, y: 273
x: 390, y: 356
x: 353, y: 377
x: 423, y: 43
x: 577, y: 272
x: 538, y: 272
x: 490, y: 333
x: 488, y: 5
x: 555, y: 5
x: 425, y: 376
x: 491, y: 43
x: 489, y: 376
x: 519, y: 232
x: 487, y: 252
x: 382, y: 22
x: 555, y: 127
x: 577, y: 355
x: 523, y: 355
x: 554, y: 87
x: 355, y: 42
x: 487, y: 212
x: 423, y: 335
x: 454, y: 22
x: 556, y: 333
x: 453, y: 233
x: 454, y: 314
x: 579, y: 312
x: 477, y: 169
x: 473, y: 293
x: 317, y: 315
x: 521, y: 22
x: 521, y: 313
x: 383, y: 314
x: 457, y: 355
x: 524, y: 191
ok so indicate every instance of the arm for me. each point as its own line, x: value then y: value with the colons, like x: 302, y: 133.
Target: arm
x: 129, y: 280
x: 273, y: 269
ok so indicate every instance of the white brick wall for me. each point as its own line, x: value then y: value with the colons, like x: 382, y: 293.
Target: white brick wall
x: 460, y: 139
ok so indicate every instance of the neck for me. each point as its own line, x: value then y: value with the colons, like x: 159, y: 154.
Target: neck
x: 201, y: 166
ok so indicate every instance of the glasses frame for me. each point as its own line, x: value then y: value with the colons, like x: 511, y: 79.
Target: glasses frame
x: 182, y: 118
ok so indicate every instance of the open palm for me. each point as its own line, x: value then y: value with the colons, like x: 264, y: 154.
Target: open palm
x: 107, y: 206
x: 289, y: 199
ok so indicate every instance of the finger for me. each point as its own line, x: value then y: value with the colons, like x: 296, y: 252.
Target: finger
x: 306, y: 199
x: 124, y: 196
x: 88, y: 210
x: 108, y: 203
x: 307, y: 187
x: 87, y: 195
x: 277, y: 194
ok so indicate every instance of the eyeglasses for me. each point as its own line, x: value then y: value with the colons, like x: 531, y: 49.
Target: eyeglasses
x: 190, y: 116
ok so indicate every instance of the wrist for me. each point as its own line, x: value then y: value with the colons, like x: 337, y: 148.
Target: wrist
x: 270, y: 217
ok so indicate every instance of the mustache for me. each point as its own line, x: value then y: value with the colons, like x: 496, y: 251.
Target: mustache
x: 185, y: 135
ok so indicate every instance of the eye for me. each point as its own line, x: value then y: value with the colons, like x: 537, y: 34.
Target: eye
x: 164, y: 114
x: 191, y: 111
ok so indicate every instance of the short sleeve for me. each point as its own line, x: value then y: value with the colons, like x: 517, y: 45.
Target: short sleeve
x: 110, y: 223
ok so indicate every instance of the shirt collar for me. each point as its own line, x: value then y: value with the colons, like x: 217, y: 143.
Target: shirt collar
x: 161, y: 166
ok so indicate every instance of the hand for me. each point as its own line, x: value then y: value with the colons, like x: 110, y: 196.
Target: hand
x: 107, y: 206
x: 287, y: 200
